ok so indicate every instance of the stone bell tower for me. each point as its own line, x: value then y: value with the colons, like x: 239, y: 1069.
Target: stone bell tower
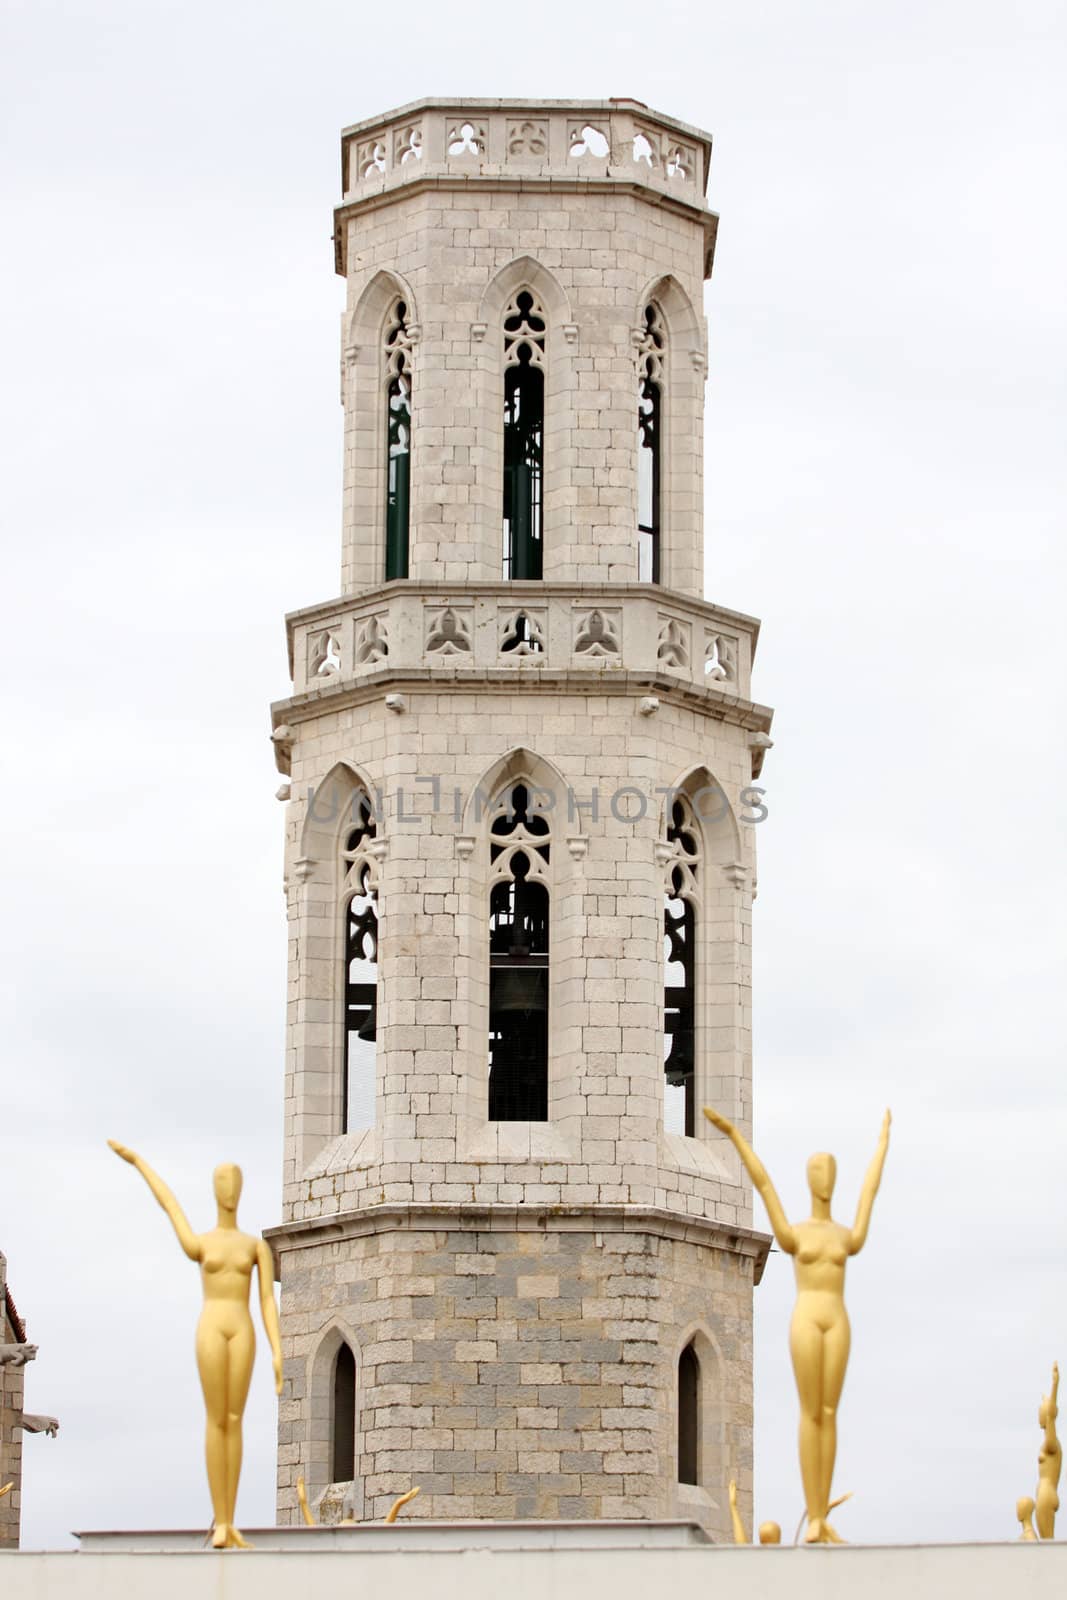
x: 516, y: 1263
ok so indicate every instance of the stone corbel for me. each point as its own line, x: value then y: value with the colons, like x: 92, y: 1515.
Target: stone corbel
x: 479, y: 331
x: 570, y: 332
x: 759, y: 744
x: 304, y: 868
x: 465, y: 843
x: 736, y: 873
x: 578, y: 845
x: 662, y: 852
x: 282, y: 740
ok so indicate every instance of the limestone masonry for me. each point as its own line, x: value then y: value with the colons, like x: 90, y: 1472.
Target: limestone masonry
x: 516, y: 1264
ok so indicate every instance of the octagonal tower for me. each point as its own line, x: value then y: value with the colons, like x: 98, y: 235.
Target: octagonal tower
x: 516, y: 1264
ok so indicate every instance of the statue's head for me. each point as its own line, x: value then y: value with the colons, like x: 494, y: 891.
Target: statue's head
x: 228, y: 1181
x: 770, y: 1533
x: 822, y: 1175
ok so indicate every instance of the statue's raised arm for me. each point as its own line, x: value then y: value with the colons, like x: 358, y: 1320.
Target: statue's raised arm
x: 858, y: 1237
x: 783, y: 1231
x: 186, y: 1237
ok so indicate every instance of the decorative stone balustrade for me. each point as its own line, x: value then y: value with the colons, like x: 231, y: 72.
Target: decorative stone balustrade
x: 524, y: 628
x: 527, y: 141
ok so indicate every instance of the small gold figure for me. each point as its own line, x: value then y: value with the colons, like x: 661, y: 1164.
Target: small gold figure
x: 1024, y: 1511
x: 391, y: 1514
x: 6, y: 1487
x: 769, y: 1532
x: 305, y: 1509
x: 819, y: 1334
x: 225, y: 1337
x: 1049, y: 1462
x: 349, y: 1522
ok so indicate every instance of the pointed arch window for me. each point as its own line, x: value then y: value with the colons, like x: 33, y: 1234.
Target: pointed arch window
x: 360, y: 1021
x: 398, y: 356
x: 343, y: 1417
x: 689, y: 1416
x: 524, y: 432
x: 651, y: 342
x: 679, y: 946
x: 519, y: 850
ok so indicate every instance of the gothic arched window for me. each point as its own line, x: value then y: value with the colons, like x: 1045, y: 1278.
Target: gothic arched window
x: 650, y: 346
x: 524, y: 435
x: 343, y: 1417
x: 360, y: 903
x: 688, y: 1416
x: 679, y: 944
x: 518, y: 959
x: 398, y: 441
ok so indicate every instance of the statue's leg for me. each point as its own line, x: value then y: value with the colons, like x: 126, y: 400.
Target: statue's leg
x: 211, y: 1364
x: 241, y: 1352
x: 836, y: 1344
x: 805, y: 1348
x: 1047, y: 1506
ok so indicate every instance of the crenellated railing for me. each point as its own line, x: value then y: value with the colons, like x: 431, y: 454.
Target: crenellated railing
x: 525, y: 628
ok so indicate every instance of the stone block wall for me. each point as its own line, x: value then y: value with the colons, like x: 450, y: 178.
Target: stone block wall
x: 519, y: 1364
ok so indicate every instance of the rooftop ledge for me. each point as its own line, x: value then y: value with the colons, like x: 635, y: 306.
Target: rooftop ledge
x: 524, y: 143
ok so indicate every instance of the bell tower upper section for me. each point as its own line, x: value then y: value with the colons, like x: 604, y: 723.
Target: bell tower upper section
x: 523, y: 343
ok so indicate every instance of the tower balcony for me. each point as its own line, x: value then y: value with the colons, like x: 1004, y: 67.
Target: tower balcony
x: 528, y: 144
x: 589, y: 631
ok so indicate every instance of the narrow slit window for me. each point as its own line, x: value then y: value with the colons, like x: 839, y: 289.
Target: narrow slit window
x: 688, y: 1416
x: 649, y: 446
x: 524, y: 428
x: 518, y: 962
x: 343, y: 1421
x: 398, y: 443
x: 360, y: 1020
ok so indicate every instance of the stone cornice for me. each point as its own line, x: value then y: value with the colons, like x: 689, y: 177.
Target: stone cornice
x: 523, y: 184
x: 418, y: 1217
x: 339, y: 696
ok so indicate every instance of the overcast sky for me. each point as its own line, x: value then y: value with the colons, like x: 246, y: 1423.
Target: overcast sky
x: 884, y: 488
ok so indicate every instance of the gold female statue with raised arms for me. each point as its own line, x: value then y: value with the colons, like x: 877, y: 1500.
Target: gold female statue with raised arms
x: 819, y: 1334
x: 225, y: 1338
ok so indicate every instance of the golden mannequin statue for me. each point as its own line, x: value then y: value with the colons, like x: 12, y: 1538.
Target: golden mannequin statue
x: 349, y: 1522
x: 225, y: 1338
x: 1024, y: 1511
x: 6, y: 1487
x: 819, y: 1334
x: 1049, y: 1462
x: 769, y: 1532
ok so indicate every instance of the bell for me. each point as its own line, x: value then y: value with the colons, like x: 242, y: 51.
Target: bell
x: 520, y: 988
x: 678, y: 1067
x: 369, y: 1027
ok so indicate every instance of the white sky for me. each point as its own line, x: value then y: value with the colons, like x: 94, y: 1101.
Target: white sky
x: 885, y: 483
